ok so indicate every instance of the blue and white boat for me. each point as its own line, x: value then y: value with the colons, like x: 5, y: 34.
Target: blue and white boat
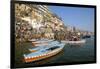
x: 41, y: 46
x: 43, y: 52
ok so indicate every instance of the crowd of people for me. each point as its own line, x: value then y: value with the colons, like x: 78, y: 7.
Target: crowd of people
x: 59, y: 35
x: 25, y: 32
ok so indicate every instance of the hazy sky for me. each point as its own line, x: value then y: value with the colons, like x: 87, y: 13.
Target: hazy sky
x: 82, y: 18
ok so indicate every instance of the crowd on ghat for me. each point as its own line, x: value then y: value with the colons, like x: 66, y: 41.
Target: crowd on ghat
x: 25, y: 32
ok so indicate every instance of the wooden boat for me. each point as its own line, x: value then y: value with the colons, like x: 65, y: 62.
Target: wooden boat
x: 38, y: 47
x: 86, y: 36
x: 40, y: 42
x: 43, y: 52
x: 74, y: 42
x: 33, y: 40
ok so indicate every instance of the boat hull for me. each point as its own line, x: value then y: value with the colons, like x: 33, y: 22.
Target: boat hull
x: 46, y: 55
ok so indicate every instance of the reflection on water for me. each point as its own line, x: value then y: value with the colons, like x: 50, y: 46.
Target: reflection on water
x: 70, y: 53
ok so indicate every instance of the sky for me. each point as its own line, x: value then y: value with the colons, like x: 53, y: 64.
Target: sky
x: 79, y: 17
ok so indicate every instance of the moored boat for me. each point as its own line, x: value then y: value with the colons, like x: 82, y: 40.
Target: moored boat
x: 43, y: 52
x: 38, y: 47
x: 74, y: 42
x: 86, y: 36
x: 40, y: 42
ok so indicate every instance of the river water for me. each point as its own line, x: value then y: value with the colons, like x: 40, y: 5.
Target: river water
x: 69, y: 55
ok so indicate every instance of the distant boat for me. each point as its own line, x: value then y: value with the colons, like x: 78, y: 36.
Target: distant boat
x: 86, y: 36
x: 74, y: 42
x: 43, y: 52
